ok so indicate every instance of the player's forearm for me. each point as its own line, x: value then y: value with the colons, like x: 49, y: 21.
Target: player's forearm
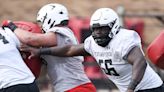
x: 25, y: 37
x: 65, y: 51
x: 137, y: 73
x: 35, y: 39
x: 57, y: 51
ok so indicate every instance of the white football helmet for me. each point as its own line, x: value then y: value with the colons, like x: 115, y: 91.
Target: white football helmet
x: 51, y: 15
x: 106, y: 17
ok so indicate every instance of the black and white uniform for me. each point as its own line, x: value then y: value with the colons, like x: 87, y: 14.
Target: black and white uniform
x: 111, y: 60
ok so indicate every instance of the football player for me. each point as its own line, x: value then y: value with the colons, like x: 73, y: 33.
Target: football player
x: 15, y: 76
x: 67, y: 73
x: 118, y: 52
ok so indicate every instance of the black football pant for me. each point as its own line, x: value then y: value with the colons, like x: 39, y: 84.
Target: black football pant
x: 158, y: 89
x: 32, y: 87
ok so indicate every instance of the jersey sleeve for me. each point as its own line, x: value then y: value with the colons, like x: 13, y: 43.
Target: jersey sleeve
x: 13, y: 36
x: 87, y: 44
x: 130, y: 41
x: 66, y: 33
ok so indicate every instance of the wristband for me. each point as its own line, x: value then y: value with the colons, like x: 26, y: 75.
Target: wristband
x: 12, y: 26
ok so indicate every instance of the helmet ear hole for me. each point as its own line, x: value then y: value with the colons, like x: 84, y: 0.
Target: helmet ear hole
x: 61, y: 12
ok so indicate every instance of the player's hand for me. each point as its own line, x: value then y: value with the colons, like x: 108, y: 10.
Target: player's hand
x: 34, y: 52
x: 9, y: 24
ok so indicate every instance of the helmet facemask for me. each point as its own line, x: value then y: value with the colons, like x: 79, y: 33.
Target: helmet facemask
x: 101, y: 35
x: 111, y: 25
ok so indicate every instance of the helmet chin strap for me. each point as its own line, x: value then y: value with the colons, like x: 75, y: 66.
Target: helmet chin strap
x: 110, y: 35
x: 105, y: 40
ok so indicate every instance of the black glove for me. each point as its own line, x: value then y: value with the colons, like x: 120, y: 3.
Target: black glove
x: 9, y: 24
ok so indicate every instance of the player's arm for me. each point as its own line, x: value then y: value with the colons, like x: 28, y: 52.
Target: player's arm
x: 33, y: 39
x: 62, y: 51
x: 36, y: 39
x: 68, y: 50
x: 138, y: 61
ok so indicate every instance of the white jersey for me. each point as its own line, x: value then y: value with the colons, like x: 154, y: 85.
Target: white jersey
x: 65, y: 72
x: 13, y: 69
x: 112, y: 60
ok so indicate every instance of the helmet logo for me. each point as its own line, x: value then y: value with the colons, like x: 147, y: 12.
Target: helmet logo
x: 53, y: 7
x: 44, y: 17
x: 49, y: 21
x: 52, y: 24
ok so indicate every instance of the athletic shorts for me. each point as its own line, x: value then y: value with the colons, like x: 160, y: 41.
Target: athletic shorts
x: 88, y: 87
